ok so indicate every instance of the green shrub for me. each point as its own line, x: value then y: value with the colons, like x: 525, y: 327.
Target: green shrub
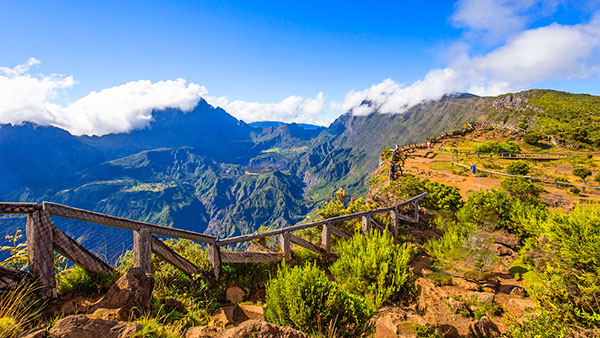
x: 487, y: 209
x: 497, y: 147
x: 564, y: 264
x: 338, y: 207
x: 523, y: 189
x: 375, y: 268
x: 597, y: 177
x: 538, y: 326
x: 532, y: 138
x: 20, y: 309
x: 441, y: 196
x: 518, y: 168
x: 582, y: 173
x: 304, y: 298
x: 80, y: 281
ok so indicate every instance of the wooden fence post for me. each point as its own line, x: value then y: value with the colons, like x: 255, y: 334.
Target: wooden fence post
x: 142, y: 250
x: 214, y: 257
x: 284, y: 242
x: 326, y: 238
x: 394, y: 223
x: 40, y: 251
x: 366, y: 224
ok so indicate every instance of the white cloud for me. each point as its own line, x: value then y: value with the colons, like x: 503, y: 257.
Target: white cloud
x: 291, y: 109
x: 553, y: 52
x: 126, y: 107
x: 496, y: 19
x: 25, y: 97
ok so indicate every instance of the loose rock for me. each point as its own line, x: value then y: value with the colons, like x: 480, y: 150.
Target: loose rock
x: 80, y: 326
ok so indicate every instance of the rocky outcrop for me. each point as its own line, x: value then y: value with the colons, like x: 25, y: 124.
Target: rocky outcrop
x: 132, y: 291
x: 392, y: 322
x: 80, y: 326
x: 262, y: 329
x: 484, y: 328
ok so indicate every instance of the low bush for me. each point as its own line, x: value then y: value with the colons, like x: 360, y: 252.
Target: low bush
x: 564, y: 266
x: 487, y: 209
x: 304, y: 298
x: 497, y: 147
x: 20, y: 308
x: 523, y: 189
x: 532, y: 138
x: 79, y: 281
x: 375, y: 268
x: 338, y: 207
x: 518, y: 168
x: 582, y: 173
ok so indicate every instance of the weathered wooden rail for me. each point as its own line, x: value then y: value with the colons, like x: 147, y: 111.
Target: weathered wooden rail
x: 44, y: 238
x: 507, y: 155
x: 533, y: 178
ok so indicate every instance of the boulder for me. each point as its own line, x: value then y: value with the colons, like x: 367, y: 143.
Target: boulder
x: 519, y: 306
x: 248, y: 312
x: 80, y: 326
x: 203, y: 332
x: 465, y: 284
x: 132, y: 291
x: 235, y: 294
x: 485, y: 297
x: 484, y: 328
x: 225, y: 316
x: 392, y: 322
x: 261, y: 329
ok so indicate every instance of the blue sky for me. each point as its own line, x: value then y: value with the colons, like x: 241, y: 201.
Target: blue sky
x: 249, y: 56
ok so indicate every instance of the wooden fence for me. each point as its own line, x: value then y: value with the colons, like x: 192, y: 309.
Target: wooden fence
x: 43, y: 239
x: 507, y: 155
x: 533, y: 178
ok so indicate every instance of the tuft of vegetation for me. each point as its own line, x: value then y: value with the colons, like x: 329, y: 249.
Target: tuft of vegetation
x: 375, y: 268
x: 20, y: 308
x: 304, y: 298
x: 79, y: 281
x: 582, y: 173
x: 532, y: 138
x: 518, y: 168
x: 493, y: 147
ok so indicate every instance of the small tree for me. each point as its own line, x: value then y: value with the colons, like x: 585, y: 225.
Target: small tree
x: 582, y: 173
x: 518, y: 168
x: 531, y: 138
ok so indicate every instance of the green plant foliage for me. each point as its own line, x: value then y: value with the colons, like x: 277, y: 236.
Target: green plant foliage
x: 582, y: 173
x: 20, y: 308
x: 538, y: 326
x: 487, y: 209
x: 151, y: 328
x: 564, y: 266
x: 201, y: 293
x: 570, y: 117
x: 338, y: 207
x: 518, y: 168
x: 441, y: 196
x: 304, y: 298
x: 532, y: 138
x: 597, y: 177
x: 497, y: 147
x: 375, y: 268
x: 460, y: 250
x: 79, y: 281
x: 523, y: 189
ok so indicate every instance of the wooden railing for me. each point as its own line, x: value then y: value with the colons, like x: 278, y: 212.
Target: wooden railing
x: 43, y: 238
x: 507, y: 155
x: 533, y: 178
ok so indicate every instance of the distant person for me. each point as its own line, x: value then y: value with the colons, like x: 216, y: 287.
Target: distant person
x: 474, y: 170
x: 392, y: 168
x: 428, y: 145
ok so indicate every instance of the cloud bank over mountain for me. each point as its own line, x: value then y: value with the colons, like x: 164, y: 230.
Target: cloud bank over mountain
x: 514, y: 57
